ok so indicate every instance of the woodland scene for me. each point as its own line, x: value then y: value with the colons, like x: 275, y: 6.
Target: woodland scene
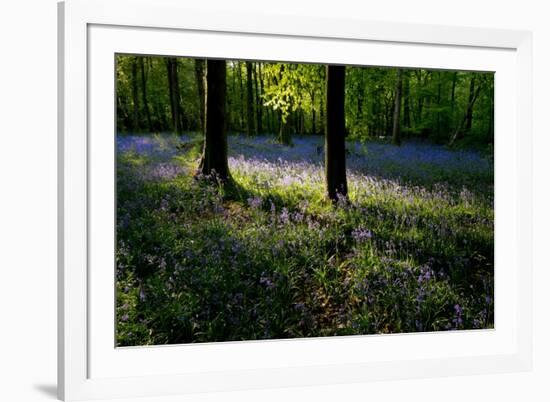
x: 267, y: 200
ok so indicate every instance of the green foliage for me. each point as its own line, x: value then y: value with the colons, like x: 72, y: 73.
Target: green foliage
x: 289, y: 99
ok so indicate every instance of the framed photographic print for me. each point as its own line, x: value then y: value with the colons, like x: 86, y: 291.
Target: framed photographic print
x: 253, y: 201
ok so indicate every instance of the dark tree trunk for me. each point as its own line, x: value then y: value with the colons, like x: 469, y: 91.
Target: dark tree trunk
x: 406, y: 101
x: 396, y: 130
x: 233, y: 113
x: 438, y: 113
x: 284, y: 136
x: 490, y: 128
x: 335, y: 143
x: 214, y: 155
x: 459, y: 132
x: 159, y: 113
x: 249, y: 101
x: 259, y: 91
x: 173, y: 85
x: 144, y: 94
x: 313, y: 116
x: 199, y: 76
x: 241, y: 96
x: 321, y: 114
x: 135, y: 96
x: 453, y: 95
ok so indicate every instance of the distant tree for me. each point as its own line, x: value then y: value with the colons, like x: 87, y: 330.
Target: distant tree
x: 396, y: 132
x: 214, y: 155
x: 250, y: 124
x: 135, y: 96
x: 199, y: 76
x: 466, y: 123
x: 335, y: 143
x: 471, y: 100
x: 258, y: 83
x: 406, y: 101
x: 241, y: 95
x: 144, y: 93
x: 173, y: 87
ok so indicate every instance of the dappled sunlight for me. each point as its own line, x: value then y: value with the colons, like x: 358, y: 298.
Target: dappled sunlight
x: 276, y: 259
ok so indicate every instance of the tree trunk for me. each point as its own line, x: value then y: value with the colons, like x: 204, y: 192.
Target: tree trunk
x: 214, y: 156
x: 313, y: 117
x: 144, y: 94
x: 470, y: 110
x: 241, y: 96
x: 396, y: 131
x: 199, y: 76
x: 249, y: 101
x: 135, y: 96
x: 284, y: 136
x: 453, y: 96
x: 438, y: 114
x: 406, y: 101
x: 321, y: 113
x: 257, y: 72
x: 335, y: 143
x: 458, y: 133
x: 173, y: 85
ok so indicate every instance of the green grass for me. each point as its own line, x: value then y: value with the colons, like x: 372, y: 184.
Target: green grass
x: 274, y: 259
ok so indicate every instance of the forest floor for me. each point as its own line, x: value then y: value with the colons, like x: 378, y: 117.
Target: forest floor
x: 412, y: 250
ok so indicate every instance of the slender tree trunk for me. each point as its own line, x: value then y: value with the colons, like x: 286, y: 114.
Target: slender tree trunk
x: 199, y: 76
x: 490, y: 128
x: 135, y: 96
x: 438, y: 113
x: 241, y: 96
x: 335, y: 143
x: 214, y: 156
x: 249, y: 100
x: 470, y: 109
x: 313, y: 116
x: 360, y: 95
x: 453, y: 96
x: 144, y: 94
x: 284, y: 136
x: 406, y: 101
x: 458, y: 133
x: 396, y: 131
x: 257, y: 72
x: 321, y: 113
x: 173, y: 85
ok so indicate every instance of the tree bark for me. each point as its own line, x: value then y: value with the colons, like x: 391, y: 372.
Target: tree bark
x: 144, y: 94
x: 249, y: 101
x: 313, y: 117
x: 335, y: 144
x: 135, y: 96
x: 396, y: 130
x: 458, y: 133
x: 438, y: 113
x: 453, y: 96
x: 241, y: 96
x: 173, y: 85
x: 199, y: 76
x: 259, y: 90
x: 406, y: 101
x: 470, y: 109
x: 214, y: 156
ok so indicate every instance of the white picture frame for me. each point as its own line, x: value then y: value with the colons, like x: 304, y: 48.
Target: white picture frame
x: 91, y: 32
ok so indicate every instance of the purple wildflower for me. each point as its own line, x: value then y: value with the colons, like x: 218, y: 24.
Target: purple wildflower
x: 361, y: 235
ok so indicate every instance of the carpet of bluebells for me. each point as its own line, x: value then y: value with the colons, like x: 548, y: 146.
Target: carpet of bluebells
x: 412, y: 249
